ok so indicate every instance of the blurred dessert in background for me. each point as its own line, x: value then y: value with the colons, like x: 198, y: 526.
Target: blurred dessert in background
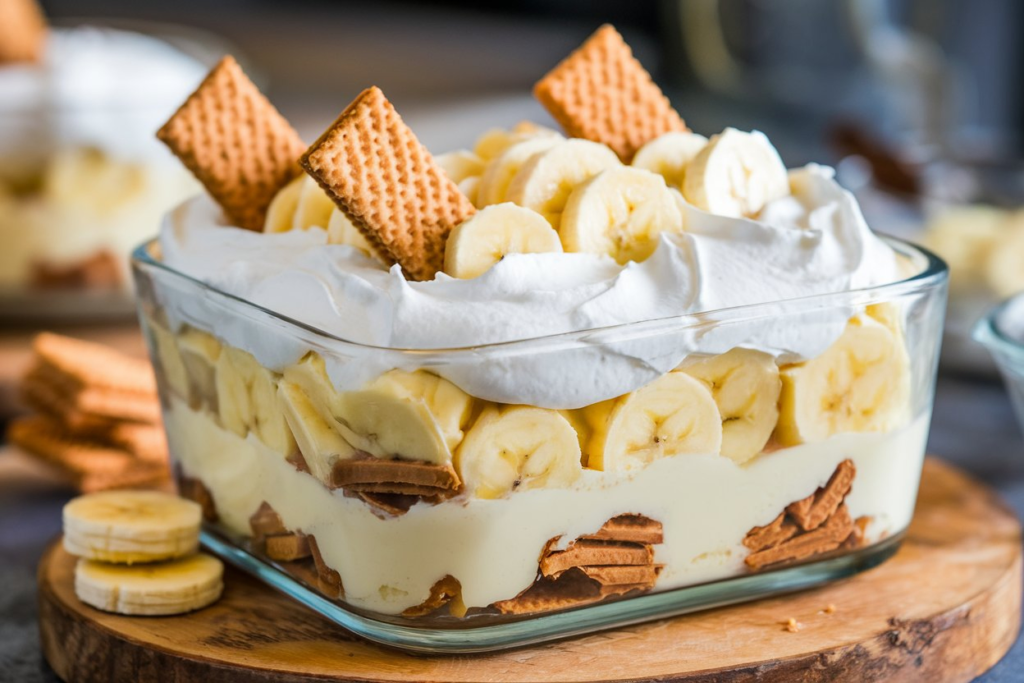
x: 81, y: 179
x: 983, y: 245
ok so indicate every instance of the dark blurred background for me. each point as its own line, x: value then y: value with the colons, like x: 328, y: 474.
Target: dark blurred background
x: 927, y: 72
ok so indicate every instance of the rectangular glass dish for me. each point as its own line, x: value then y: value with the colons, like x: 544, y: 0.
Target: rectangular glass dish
x: 381, y: 487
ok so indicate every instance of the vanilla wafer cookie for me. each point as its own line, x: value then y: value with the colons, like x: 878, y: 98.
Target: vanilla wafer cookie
x: 388, y: 185
x: 84, y: 407
x: 22, y: 31
x: 47, y: 439
x: 236, y: 143
x: 405, y: 477
x: 602, y: 93
x: 172, y: 587
x: 131, y: 527
x: 94, y: 365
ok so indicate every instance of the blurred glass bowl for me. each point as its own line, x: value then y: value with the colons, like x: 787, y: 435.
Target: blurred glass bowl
x: 1001, y: 331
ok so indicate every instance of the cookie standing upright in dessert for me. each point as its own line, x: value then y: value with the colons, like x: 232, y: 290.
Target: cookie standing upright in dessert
x: 539, y: 374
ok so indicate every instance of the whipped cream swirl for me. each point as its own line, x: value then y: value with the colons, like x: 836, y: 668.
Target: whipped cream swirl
x: 814, y: 241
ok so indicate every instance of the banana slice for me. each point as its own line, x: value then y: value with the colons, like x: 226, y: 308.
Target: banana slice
x: 247, y: 400
x: 314, y: 208
x: 412, y: 416
x: 199, y: 353
x: 299, y: 205
x: 131, y: 526
x: 321, y: 446
x: 745, y: 385
x: 173, y: 587
x: 673, y: 415
x: 478, y: 243
x: 545, y: 182
x: 471, y: 188
x: 460, y: 164
x: 516, y: 448
x: 499, y: 172
x: 859, y: 384
x: 495, y: 141
x: 169, y: 363
x: 340, y: 230
x: 735, y: 175
x: 620, y: 212
x: 668, y: 154
x: 281, y: 212
x: 450, y: 406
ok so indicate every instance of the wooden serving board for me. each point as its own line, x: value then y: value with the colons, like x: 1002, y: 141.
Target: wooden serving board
x: 945, y: 608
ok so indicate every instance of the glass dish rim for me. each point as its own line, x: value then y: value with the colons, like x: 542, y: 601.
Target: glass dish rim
x: 989, y: 334
x: 934, y: 272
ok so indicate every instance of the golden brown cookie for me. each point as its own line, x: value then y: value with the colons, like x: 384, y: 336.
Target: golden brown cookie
x: 387, y: 183
x: 602, y: 93
x: 236, y: 143
x: 22, y: 31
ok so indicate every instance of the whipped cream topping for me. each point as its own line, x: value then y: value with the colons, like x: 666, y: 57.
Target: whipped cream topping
x: 95, y: 87
x: 814, y: 241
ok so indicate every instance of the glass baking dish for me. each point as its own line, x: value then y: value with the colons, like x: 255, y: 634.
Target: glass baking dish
x: 380, y: 488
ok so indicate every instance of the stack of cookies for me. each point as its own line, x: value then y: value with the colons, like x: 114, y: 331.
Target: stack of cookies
x: 97, y: 415
x: 817, y: 524
x: 138, y: 553
x: 615, y: 561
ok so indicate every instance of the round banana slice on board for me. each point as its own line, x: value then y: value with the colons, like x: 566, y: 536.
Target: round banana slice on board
x: 131, y: 526
x: 494, y: 232
x: 518, y: 448
x: 172, y: 587
x: 735, y: 175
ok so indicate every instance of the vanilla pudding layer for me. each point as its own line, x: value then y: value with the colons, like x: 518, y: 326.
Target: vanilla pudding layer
x: 706, y: 504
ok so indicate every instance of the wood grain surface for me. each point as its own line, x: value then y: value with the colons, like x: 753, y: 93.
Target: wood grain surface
x: 944, y: 609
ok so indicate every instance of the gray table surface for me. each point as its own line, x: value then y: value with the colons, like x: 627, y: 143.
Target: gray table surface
x: 972, y: 426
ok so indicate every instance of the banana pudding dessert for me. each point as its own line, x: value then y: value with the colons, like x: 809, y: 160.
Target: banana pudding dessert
x: 557, y: 369
x: 81, y: 180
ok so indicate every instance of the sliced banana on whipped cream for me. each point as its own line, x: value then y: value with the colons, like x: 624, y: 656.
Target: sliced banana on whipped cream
x: 668, y: 154
x: 546, y: 180
x: 493, y: 233
x: 501, y: 170
x: 735, y: 175
x: 620, y: 212
x: 515, y: 448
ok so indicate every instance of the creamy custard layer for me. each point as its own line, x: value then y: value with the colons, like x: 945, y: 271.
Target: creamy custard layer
x: 706, y: 503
